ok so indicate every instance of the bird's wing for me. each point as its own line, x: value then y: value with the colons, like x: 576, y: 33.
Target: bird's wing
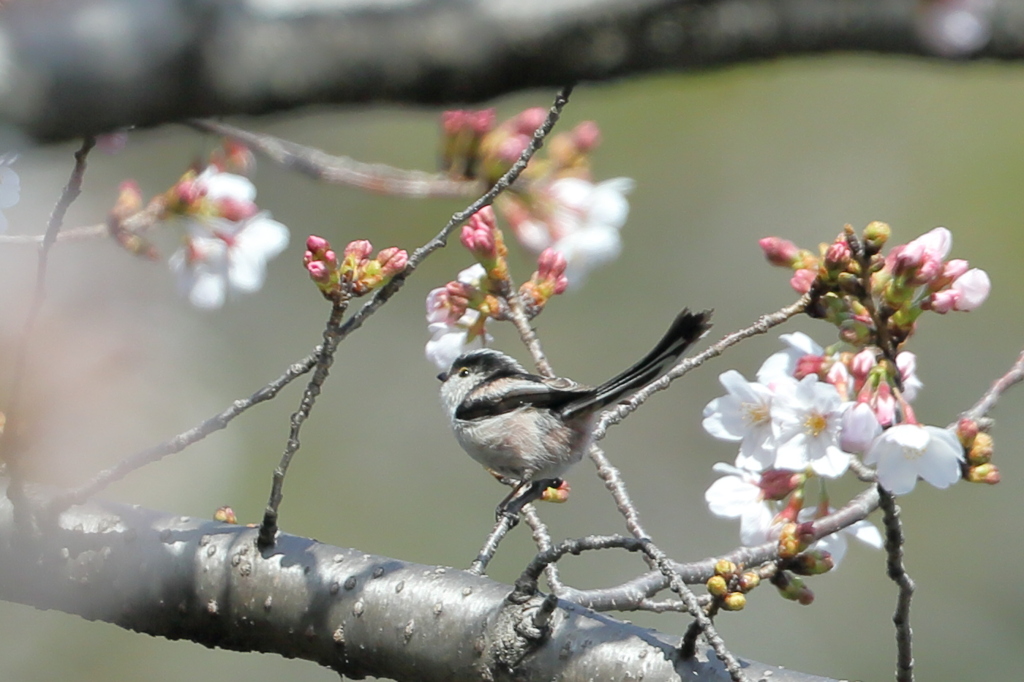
x: 522, y: 390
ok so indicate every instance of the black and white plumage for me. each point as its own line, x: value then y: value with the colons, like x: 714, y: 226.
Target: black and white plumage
x: 530, y: 428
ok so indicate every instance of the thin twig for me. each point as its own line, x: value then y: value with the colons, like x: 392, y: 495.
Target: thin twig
x: 676, y: 584
x: 542, y: 538
x: 182, y: 440
x: 486, y: 553
x: 11, y: 448
x: 517, y: 315
x: 325, y: 358
x: 343, y: 170
x: 1014, y: 376
x: 897, y: 572
x: 627, y: 595
x: 441, y: 239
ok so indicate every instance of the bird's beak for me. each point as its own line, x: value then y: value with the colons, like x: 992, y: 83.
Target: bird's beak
x: 442, y: 376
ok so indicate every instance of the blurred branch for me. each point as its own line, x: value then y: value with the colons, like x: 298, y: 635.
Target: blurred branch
x: 77, y: 67
x: 357, y: 614
x: 342, y: 170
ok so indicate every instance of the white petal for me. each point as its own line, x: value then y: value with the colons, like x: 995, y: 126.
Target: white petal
x: 730, y: 495
x: 263, y: 236
x: 608, y: 203
x: 722, y: 419
x: 866, y: 532
x: 896, y: 473
x: 226, y: 186
x: 247, y: 271
x: 833, y: 464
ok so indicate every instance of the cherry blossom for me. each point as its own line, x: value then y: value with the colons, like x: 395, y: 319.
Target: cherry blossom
x: 836, y: 543
x: 743, y: 415
x: 806, y: 417
x: 738, y: 495
x: 450, y: 338
x: 222, y: 257
x: 782, y: 365
x: 908, y: 451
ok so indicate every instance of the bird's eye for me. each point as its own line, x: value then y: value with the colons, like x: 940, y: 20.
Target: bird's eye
x: 463, y: 372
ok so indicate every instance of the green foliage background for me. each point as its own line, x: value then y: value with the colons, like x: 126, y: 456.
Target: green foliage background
x: 795, y: 149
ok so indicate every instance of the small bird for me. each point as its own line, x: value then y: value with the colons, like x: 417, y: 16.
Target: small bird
x: 531, y: 429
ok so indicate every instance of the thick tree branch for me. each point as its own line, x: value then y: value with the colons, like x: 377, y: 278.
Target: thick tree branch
x: 75, y: 67
x: 355, y: 613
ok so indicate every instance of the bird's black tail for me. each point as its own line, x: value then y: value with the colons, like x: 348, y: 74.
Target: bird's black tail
x: 685, y: 329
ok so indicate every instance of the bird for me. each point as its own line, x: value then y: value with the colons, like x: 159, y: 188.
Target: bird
x: 528, y: 430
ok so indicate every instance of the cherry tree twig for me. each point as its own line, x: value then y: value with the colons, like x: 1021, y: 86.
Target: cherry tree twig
x: 897, y: 572
x: 343, y: 170
x: 11, y: 447
x: 325, y: 358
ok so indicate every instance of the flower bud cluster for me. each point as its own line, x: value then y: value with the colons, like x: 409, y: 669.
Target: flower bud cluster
x: 461, y: 133
x: 979, y: 447
x: 485, y: 241
x: 730, y: 587
x: 355, y: 274
x: 555, y: 203
x: 872, y: 297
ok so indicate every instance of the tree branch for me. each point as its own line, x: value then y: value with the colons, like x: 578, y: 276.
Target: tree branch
x: 76, y: 67
x: 355, y: 613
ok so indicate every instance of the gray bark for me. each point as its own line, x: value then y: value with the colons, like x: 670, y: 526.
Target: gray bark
x: 75, y: 67
x: 359, y: 614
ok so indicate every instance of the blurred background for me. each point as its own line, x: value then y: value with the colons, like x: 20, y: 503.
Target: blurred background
x: 795, y: 149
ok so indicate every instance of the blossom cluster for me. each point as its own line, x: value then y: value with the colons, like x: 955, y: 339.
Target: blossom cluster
x: 813, y: 411
x: 555, y: 204
x: 355, y: 274
x: 228, y: 239
x: 458, y: 312
x: 851, y: 271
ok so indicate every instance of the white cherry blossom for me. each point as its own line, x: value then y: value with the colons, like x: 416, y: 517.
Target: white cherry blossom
x: 743, y: 415
x: 738, y: 495
x: 221, y: 258
x: 806, y: 416
x: 908, y: 451
x: 782, y: 365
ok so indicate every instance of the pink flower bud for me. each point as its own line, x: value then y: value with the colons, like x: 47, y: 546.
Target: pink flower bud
x: 392, y: 261
x: 511, y: 148
x: 968, y: 430
x: 586, y: 136
x: 318, y: 271
x: 779, y: 251
x: 802, y: 280
x: 526, y: 122
x: 838, y: 254
x: 235, y: 210
x: 860, y: 427
x: 954, y: 269
x: 317, y: 244
x: 807, y: 365
x: 885, y: 405
x: 943, y: 301
x: 551, y: 264
x: 973, y: 287
x: 481, y: 121
x: 776, y: 484
x: 359, y: 249
x: 863, y: 362
x: 453, y: 121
